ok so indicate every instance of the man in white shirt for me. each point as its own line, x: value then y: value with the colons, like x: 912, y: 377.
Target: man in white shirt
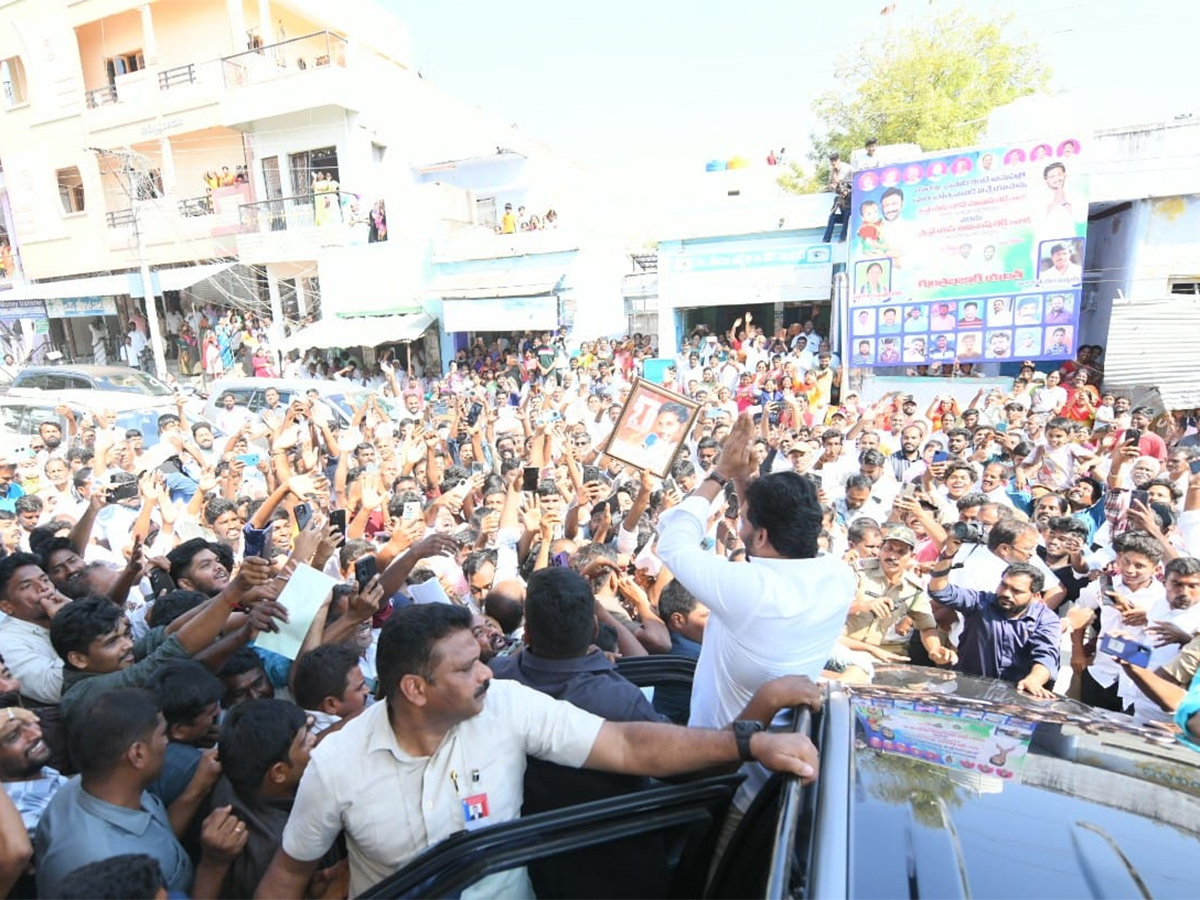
x: 230, y: 418
x: 436, y: 759
x: 781, y: 613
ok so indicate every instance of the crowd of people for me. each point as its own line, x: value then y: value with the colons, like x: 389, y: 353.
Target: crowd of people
x: 263, y: 656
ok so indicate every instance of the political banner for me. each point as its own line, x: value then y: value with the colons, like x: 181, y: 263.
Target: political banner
x: 969, y: 255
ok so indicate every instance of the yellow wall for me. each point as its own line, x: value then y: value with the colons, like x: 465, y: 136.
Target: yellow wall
x: 102, y: 40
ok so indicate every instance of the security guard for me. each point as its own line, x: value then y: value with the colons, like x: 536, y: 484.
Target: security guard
x: 891, y: 602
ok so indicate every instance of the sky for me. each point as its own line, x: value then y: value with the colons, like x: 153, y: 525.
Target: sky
x: 629, y: 84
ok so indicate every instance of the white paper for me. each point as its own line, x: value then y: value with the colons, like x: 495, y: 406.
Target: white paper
x: 305, y: 592
x: 430, y: 591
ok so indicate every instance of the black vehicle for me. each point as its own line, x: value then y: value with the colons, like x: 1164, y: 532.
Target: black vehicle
x: 932, y: 784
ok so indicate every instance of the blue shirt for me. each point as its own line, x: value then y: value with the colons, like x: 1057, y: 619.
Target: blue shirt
x: 995, y: 646
x: 8, y: 499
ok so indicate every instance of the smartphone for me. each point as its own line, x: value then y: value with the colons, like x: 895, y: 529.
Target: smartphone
x: 337, y: 518
x: 669, y: 484
x: 250, y: 459
x: 908, y: 491
x: 1194, y: 465
x: 303, y: 513
x: 364, y: 570
x: 530, y: 478
x: 1131, y: 651
x: 1141, y: 497
x: 1133, y: 435
x: 412, y: 510
x: 160, y: 581
x: 560, y: 560
x: 254, y: 541
x: 940, y: 456
x: 816, y: 480
x: 126, y: 490
x: 478, y: 468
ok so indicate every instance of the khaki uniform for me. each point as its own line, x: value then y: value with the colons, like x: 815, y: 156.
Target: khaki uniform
x: 1183, y: 667
x: 908, y: 599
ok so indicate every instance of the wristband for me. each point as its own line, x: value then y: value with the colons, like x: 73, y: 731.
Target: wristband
x: 720, y: 480
x: 934, y: 573
x: 234, y: 605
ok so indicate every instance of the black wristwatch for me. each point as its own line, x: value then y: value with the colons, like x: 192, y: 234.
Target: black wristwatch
x: 743, y: 730
x: 713, y: 476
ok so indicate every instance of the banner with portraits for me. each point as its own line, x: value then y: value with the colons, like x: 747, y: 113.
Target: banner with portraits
x: 973, y: 255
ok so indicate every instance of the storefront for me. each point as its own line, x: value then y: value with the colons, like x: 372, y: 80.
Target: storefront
x: 24, y: 330
x: 781, y: 278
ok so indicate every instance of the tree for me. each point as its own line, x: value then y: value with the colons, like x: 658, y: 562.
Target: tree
x: 932, y: 83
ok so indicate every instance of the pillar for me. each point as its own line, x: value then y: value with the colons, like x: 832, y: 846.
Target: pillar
x: 237, y: 25
x: 149, y: 41
x: 168, y: 165
x: 264, y: 22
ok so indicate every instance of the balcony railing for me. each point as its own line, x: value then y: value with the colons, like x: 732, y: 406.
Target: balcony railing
x: 312, y: 51
x: 303, y: 211
x: 169, y: 78
x: 121, y: 218
x: 101, y: 96
x: 196, y: 206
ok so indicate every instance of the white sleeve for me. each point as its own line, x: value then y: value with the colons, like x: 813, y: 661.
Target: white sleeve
x: 1189, y: 528
x: 316, y: 817
x: 626, y: 540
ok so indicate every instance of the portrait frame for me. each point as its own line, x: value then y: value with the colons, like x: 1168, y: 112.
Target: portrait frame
x: 630, y: 442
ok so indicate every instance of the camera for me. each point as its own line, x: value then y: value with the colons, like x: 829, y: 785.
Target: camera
x: 968, y: 532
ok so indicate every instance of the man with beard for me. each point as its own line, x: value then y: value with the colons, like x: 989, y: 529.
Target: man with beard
x: 30, y: 601
x: 1009, y: 634
x: 200, y: 565
x: 906, y: 462
x: 489, y: 636
x: 24, y: 771
x: 52, y: 437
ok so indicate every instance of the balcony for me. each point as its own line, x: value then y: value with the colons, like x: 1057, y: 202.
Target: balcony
x: 291, y: 228
x: 155, y: 102
x: 300, y: 74
x: 198, y: 226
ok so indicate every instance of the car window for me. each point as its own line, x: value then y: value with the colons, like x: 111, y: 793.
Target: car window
x: 144, y: 420
x: 53, y: 382
x: 136, y: 382
x: 241, y: 397
x: 77, y: 382
x: 31, y: 381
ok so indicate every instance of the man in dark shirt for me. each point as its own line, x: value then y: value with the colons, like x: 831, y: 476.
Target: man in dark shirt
x: 1010, y: 634
x: 685, y: 618
x: 558, y: 659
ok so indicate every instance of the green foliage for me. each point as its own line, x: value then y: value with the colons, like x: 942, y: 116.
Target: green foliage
x: 797, y: 181
x: 932, y: 83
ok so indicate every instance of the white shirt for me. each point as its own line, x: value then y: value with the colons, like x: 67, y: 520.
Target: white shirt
x: 393, y: 805
x: 1145, y: 709
x: 30, y: 656
x: 1104, y: 668
x: 769, y: 617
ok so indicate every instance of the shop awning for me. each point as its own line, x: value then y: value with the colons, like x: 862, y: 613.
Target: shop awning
x: 511, y: 282
x: 183, y: 277
x: 70, y: 288
x: 359, y: 331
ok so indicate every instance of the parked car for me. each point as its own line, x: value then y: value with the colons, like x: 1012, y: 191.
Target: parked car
x: 20, y: 414
x: 932, y: 784
x: 339, y: 397
x: 94, y: 378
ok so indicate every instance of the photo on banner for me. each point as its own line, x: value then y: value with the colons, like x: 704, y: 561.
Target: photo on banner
x: 983, y: 245
x: 651, y: 428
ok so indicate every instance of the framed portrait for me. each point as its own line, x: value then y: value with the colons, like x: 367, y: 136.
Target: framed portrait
x: 652, y: 428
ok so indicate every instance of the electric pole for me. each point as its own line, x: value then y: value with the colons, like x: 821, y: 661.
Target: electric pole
x: 133, y: 173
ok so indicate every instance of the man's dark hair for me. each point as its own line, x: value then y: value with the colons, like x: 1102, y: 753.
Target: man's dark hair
x: 958, y: 432
x: 29, y: 503
x: 859, y: 481
x: 184, y: 689
x: 506, y: 609
x: 560, y: 613
x: 166, y: 420
x: 1060, y: 423
x: 217, y: 507
x: 785, y: 505
x: 959, y: 465
x: 860, y: 528
x: 684, y: 468
x: 1176, y: 493
x: 1050, y: 168
x: 1134, y: 542
x: 586, y: 554
x: 181, y: 557
x: 322, y: 673
x: 1006, y: 531
x: 476, y: 560
x: 1142, y: 411
x: 1181, y: 566
x: 892, y: 192
x: 406, y: 643
x: 43, y: 536
x: 198, y: 426
x: 396, y: 503
x: 1037, y: 581
x: 970, y: 500
x: 352, y: 551
x: 173, y: 604
x: 9, y: 566
x: 871, y: 457
x: 127, y: 876
x: 133, y: 433
x: 678, y: 410
x: 255, y: 736
x: 675, y: 598
x: 103, y: 726
x: 79, y: 623
x: 241, y: 661
x: 1068, y: 525
x: 1060, y: 502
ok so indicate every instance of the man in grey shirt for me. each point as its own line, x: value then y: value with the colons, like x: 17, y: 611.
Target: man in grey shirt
x: 119, y: 739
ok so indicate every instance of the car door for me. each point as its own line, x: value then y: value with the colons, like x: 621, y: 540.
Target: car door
x: 52, y: 381
x: 688, y: 815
